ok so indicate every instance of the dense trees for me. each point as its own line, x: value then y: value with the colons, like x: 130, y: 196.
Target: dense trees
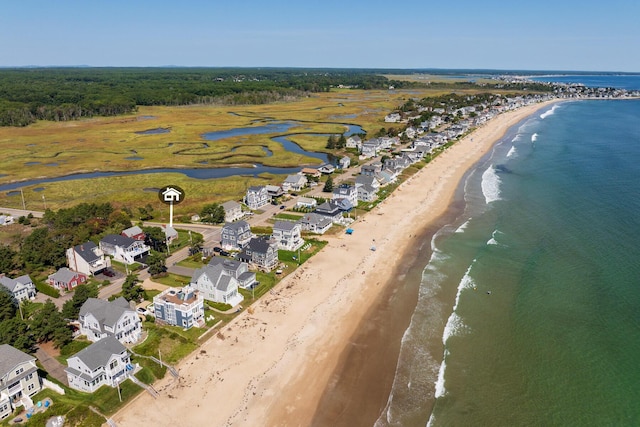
x: 47, y: 324
x: 156, y: 263
x: 131, y: 291
x: 212, y: 213
x: 62, y: 94
x: 328, y: 186
x: 71, y: 308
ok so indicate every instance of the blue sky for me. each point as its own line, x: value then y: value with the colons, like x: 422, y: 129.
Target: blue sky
x: 542, y: 35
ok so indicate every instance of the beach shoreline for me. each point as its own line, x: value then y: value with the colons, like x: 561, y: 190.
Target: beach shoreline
x: 273, y: 363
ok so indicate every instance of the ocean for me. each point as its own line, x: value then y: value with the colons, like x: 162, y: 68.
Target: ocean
x: 529, y: 306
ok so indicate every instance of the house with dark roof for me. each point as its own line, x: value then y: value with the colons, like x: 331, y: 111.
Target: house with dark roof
x: 21, y: 288
x: 257, y: 197
x: 105, y: 362
x: 330, y: 210
x: 287, y: 235
x: 261, y: 252
x: 88, y: 259
x: 124, y: 249
x: 345, y: 191
x: 238, y: 269
x: 65, y: 279
x: 315, y: 223
x: 214, y: 284
x: 99, y: 319
x: 179, y: 307
x: 19, y: 379
x: 235, y: 235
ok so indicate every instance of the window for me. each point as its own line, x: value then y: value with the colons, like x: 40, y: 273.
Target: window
x: 113, y: 364
x: 30, y: 376
x: 31, y: 387
x: 19, y: 371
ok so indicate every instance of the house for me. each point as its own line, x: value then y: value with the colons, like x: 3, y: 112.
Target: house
x: 21, y: 288
x: 99, y: 319
x: 311, y: 172
x: 214, y: 284
x: 238, y: 269
x: 134, y: 232
x: 294, y: 182
x: 326, y: 169
x: 315, y: 223
x: 367, y: 193
x: 257, y: 197
x: 345, y: 191
x: 105, y: 362
x: 331, y: 211
x: 170, y: 233
x: 179, y: 307
x: 274, y: 191
x: 261, y: 252
x: 392, y: 118
x: 65, y: 279
x: 367, y: 180
x: 370, y: 149
x: 88, y: 259
x: 124, y: 249
x: 232, y: 211
x: 287, y: 235
x: 354, y: 141
x: 344, y: 162
x: 371, y: 169
x: 18, y: 378
x: 235, y: 235
x: 306, y: 202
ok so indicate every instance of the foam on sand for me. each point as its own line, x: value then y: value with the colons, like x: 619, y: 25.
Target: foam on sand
x: 490, y: 185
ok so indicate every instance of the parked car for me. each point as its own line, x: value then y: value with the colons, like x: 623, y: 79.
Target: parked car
x: 108, y: 273
x: 224, y: 253
x: 217, y: 249
x: 282, y: 206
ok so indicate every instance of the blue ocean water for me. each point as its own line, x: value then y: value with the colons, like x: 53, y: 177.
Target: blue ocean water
x: 543, y: 270
x: 627, y: 81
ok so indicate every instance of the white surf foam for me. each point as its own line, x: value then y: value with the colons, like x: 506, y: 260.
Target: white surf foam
x: 490, y: 185
x: 492, y: 240
x: 440, y: 388
x: 463, y: 226
x: 534, y: 137
x: 512, y: 151
x: 516, y: 138
x: 548, y: 112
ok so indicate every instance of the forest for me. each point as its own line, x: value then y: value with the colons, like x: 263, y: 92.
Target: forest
x: 61, y: 94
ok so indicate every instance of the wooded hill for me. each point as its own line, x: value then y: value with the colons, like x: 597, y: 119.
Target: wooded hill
x: 29, y: 94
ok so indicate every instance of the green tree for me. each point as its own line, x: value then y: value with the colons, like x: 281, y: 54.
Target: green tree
x: 331, y: 142
x: 7, y: 305
x: 71, y: 308
x: 47, y: 324
x: 154, y: 237
x: 7, y: 259
x: 16, y: 333
x: 212, y: 213
x: 342, y: 141
x: 156, y: 263
x: 328, y: 186
x: 131, y: 291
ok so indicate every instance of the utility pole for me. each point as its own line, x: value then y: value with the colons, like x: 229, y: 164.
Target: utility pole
x: 24, y: 206
x: 45, y: 202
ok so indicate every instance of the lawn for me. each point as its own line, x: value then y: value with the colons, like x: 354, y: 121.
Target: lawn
x: 170, y: 342
x: 173, y: 280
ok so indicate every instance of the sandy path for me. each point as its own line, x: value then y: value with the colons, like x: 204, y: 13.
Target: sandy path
x: 273, y: 365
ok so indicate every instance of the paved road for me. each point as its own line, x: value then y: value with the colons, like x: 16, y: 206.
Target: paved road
x: 17, y: 213
x: 52, y: 366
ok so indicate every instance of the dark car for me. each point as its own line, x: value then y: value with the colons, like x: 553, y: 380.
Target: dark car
x: 224, y: 253
x: 108, y: 273
x: 282, y: 206
x: 217, y: 249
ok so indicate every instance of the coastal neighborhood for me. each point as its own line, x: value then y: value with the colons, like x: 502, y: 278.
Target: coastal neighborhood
x: 126, y: 300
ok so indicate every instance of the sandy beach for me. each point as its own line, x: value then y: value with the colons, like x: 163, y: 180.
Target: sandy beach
x: 272, y: 364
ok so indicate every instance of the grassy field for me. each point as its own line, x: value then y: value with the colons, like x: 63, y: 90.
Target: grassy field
x: 50, y: 149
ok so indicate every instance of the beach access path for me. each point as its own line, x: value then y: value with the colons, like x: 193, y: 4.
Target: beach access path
x: 271, y: 364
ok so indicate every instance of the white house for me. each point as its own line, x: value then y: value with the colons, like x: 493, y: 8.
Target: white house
x: 354, y: 141
x: 235, y: 235
x: 257, y: 197
x: 287, y: 235
x: 294, y: 182
x: 19, y: 379
x: 124, y: 249
x: 315, y: 223
x: 87, y: 258
x: 232, y: 211
x: 214, y: 284
x: 99, y: 319
x: 237, y: 269
x: 344, y: 162
x: 103, y: 362
x: 346, y: 191
x: 21, y: 288
x: 306, y: 202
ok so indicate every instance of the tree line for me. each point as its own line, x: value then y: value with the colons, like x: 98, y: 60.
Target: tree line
x: 60, y: 94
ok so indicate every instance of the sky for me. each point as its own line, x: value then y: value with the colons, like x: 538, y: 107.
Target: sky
x: 490, y: 34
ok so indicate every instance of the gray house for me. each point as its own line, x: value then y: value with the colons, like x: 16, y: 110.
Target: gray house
x: 104, y: 362
x: 257, y: 197
x: 100, y: 319
x: 261, y: 252
x: 18, y: 378
x: 315, y: 223
x: 330, y: 210
x: 21, y: 288
x: 238, y: 269
x: 287, y: 235
x: 235, y: 235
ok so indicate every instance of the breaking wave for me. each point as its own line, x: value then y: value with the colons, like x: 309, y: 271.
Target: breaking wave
x: 548, y: 112
x: 490, y: 185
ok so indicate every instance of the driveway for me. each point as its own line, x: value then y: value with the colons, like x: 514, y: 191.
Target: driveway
x: 52, y: 366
